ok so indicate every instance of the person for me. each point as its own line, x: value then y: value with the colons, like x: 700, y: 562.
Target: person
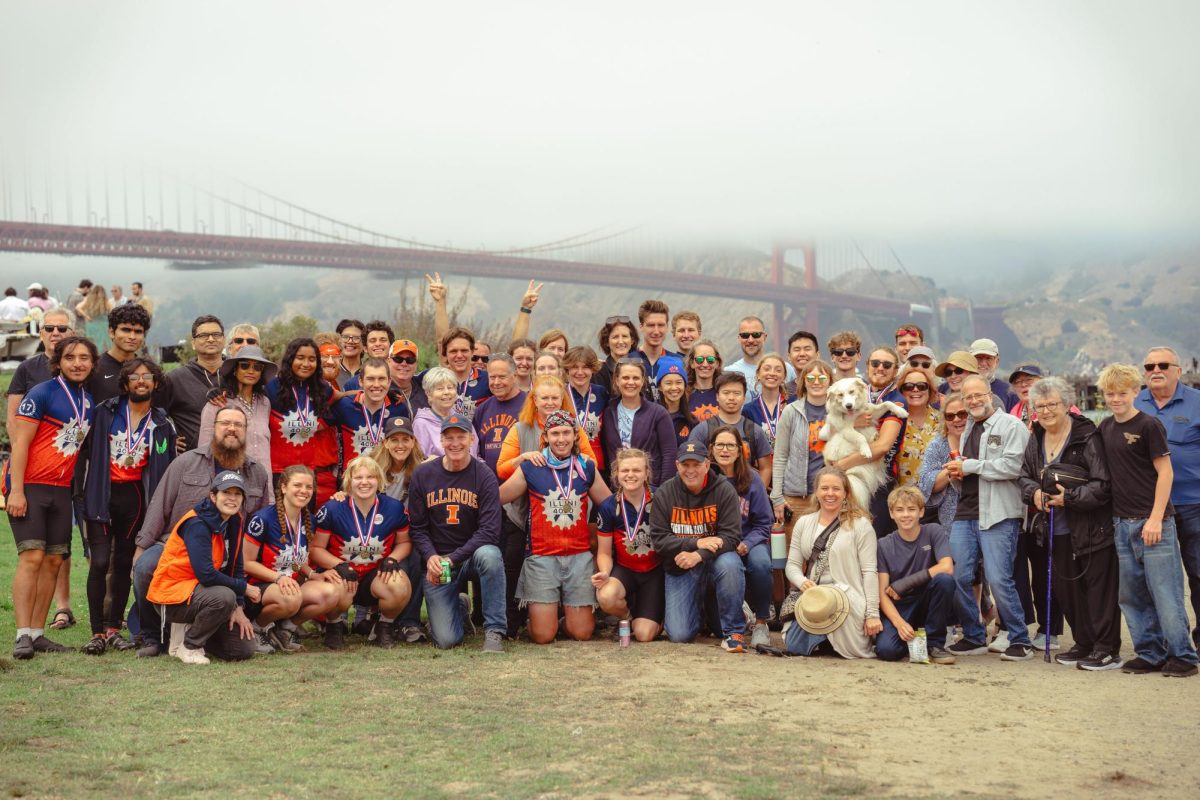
x: 351, y: 333
x: 360, y: 417
x: 685, y: 330
x: 497, y: 415
x: 671, y: 376
x: 1085, y: 577
x: 189, y: 386
x: 183, y: 486
x: 941, y: 493
x: 908, y: 336
x: 752, y: 337
x: 127, y: 328
x: 802, y: 348
x: 1177, y: 406
x: 441, y: 315
x: 844, y: 348
x: 1021, y: 379
x: 558, y: 566
x: 46, y: 435
x: 554, y: 341
x: 276, y: 546
x: 77, y: 296
x: 731, y: 399
x: 441, y: 387
x: 402, y: 364
x: 766, y: 407
x: 652, y: 325
x: 987, y: 358
x: 94, y: 311
x: 923, y: 425
x: 590, y: 399
x: 799, y: 448
x: 633, y: 421
x: 327, y: 442
x: 524, y: 353
x: 838, y: 543
x: 200, y: 583
x: 1148, y: 556
x: 471, y: 384
x: 548, y: 364
x: 987, y: 521
x: 618, y: 338
x: 13, y: 308
x: 695, y: 525
x: 455, y: 506
x: 757, y: 517
x: 56, y: 326
x: 298, y: 397
x: 954, y: 370
x: 139, y: 296
x: 629, y: 574
x: 481, y: 353
x: 127, y: 452
x: 703, y: 366
x: 916, y: 580
x: 118, y: 296
x: 243, y: 383
x: 378, y: 337
x: 39, y: 298
x: 241, y: 335
x: 369, y: 533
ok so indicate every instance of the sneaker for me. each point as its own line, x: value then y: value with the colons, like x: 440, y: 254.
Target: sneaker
x: 1072, y: 656
x: 1178, y: 668
x: 1039, y: 642
x: 262, y: 641
x: 1098, y: 661
x: 178, y: 631
x: 282, y: 640
x: 1000, y: 643
x: 734, y: 643
x: 760, y: 635
x: 383, y: 635
x: 411, y: 634
x: 1140, y: 666
x: 23, y: 648
x: 335, y: 635
x: 1017, y: 652
x: 189, y: 656
x: 116, y: 641
x: 965, y: 647
x: 493, y: 642
x: 937, y: 655
x: 149, y: 650
x: 44, y: 645
x: 95, y: 646
x: 468, y: 623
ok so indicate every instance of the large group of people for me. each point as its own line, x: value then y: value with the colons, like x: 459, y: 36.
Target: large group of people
x: 246, y: 503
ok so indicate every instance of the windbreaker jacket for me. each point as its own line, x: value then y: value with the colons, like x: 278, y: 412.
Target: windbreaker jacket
x: 1001, y: 454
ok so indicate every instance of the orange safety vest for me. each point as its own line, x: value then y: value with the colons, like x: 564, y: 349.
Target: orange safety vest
x: 174, y: 581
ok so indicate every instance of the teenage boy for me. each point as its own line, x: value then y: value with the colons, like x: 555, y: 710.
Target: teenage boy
x: 916, y: 580
x: 127, y: 327
x: 844, y: 349
x: 731, y: 399
x: 686, y: 328
x: 802, y: 348
x: 1151, y: 569
x: 908, y: 336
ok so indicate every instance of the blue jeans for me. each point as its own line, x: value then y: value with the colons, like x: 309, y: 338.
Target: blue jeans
x: 410, y: 617
x: 1187, y: 528
x: 931, y: 607
x: 759, y: 579
x: 685, y: 595
x: 998, y: 547
x: 446, y: 613
x: 800, y: 642
x: 143, y: 573
x: 1151, y: 595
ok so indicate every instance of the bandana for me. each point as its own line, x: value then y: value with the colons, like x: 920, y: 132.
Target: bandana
x: 330, y: 350
x: 559, y: 419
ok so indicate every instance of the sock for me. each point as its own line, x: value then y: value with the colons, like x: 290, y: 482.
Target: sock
x: 24, y: 632
x: 37, y: 632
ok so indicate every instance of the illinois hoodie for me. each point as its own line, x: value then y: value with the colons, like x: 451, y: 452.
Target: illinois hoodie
x: 679, y: 517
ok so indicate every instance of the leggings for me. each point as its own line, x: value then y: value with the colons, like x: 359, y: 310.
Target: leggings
x: 112, y: 547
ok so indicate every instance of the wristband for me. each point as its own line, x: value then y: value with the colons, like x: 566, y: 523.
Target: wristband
x: 526, y: 310
x: 910, y: 582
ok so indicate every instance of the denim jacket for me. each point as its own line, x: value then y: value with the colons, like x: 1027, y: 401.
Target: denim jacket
x: 1001, y: 456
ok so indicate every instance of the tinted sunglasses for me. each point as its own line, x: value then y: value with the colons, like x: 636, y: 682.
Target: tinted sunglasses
x: 616, y: 319
x: 56, y: 328
x: 413, y: 359
x: 243, y: 340
x: 907, y: 332
x: 956, y: 371
x: 705, y: 359
x: 957, y: 415
x: 751, y: 335
x: 253, y: 366
x: 474, y: 359
x: 1162, y: 366
x: 877, y: 363
x: 914, y: 387
x: 843, y: 351
x: 816, y: 377
x: 921, y: 364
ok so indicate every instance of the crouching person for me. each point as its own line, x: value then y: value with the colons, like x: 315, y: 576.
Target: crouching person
x: 916, y: 580
x: 199, y: 581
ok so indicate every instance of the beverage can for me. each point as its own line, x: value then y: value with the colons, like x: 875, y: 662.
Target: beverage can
x: 623, y: 632
x: 955, y: 455
x: 445, y: 570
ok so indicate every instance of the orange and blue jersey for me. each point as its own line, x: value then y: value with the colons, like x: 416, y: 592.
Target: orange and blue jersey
x: 361, y: 429
x: 589, y: 411
x: 63, y: 413
x: 362, y: 540
x: 558, y: 507
x: 128, y: 450
x: 284, y: 554
x: 634, y: 552
x: 294, y: 425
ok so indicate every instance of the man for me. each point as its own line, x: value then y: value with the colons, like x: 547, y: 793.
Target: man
x: 1177, y: 407
x: 118, y: 296
x: 456, y: 348
x: 685, y: 328
x: 127, y: 328
x: 988, y: 520
x: 802, y: 348
x: 652, y: 320
x: 844, y: 349
x: 76, y: 297
x: 731, y: 399
x: 454, y: 509
x: 752, y: 336
x: 240, y: 336
x: 361, y: 416
x: 377, y: 338
x: 987, y: 357
x: 403, y: 389
x: 908, y: 336
x: 188, y: 387
x: 916, y: 580
x: 13, y: 308
x: 351, y: 331
x: 696, y: 525
x: 184, y: 485
x: 141, y: 299
x: 481, y: 354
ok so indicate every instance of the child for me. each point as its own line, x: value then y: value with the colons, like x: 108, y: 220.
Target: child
x: 1151, y: 597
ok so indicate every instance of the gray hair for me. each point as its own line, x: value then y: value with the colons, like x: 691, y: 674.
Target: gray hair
x: 435, y: 377
x: 505, y: 357
x: 1046, y: 388
x: 244, y: 327
x: 1164, y: 348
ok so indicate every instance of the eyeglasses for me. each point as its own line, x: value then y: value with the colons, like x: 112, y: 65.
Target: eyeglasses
x: 957, y: 415
x: 705, y: 359
x: 229, y: 424
x: 751, y: 335
x: 253, y: 366
x: 616, y: 319
x: 878, y: 362
x: 56, y: 328
x: 210, y: 335
x: 816, y: 377
x: 243, y: 340
x: 412, y: 359
x: 1047, y: 406
x: 140, y: 378
x: 1161, y: 366
x: 956, y: 371
x: 351, y: 340
x: 920, y: 364
x: 843, y: 351
x: 972, y: 397
x: 724, y: 446
x: 914, y: 387
x: 474, y: 360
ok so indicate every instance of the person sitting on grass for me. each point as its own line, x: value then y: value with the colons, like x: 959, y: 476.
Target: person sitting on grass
x: 916, y: 580
x: 200, y: 582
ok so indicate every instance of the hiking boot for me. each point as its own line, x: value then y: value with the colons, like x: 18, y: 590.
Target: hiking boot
x: 95, y: 646
x: 149, y: 649
x: 1017, y: 652
x: 1000, y: 643
x: 1178, y: 668
x: 1039, y: 642
x: 468, y: 623
x: 1072, y: 656
x: 1140, y: 666
x: 23, y: 648
x: 189, y: 656
x: 1099, y: 661
x: 965, y: 647
x: 262, y: 641
x: 412, y: 634
x: 938, y: 655
x: 44, y: 645
x: 282, y: 640
x: 335, y: 635
x: 734, y: 643
x: 116, y: 641
x: 383, y: 635
x: 493, y: 642
x: 760, y: 635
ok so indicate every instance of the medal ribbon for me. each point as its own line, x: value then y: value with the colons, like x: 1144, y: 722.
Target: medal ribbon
x: 630, y: 533
x: 582, y: 416
x: 74, y: 407
x: 291, y: 551
x: 364, y: 540
x: 373, y: 433
x: 132, y: 444
x: 772, y: 419
x: 303, y: 414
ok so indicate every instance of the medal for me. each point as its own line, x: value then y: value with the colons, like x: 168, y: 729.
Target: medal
x: 771, y: 421
x: 303, y: 413
x: 364, y: 540
x: 80, y: 431
x: 132, y: 446
x: 632, y: 532
x: 374, y: 433
x: 127, y: 461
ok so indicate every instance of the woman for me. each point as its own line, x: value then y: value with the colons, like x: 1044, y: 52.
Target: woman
x: 671, y: 376
x: 618, y: 338
x: 547, y: 363
x: 368, y: 534
x: 767, y: 407
x: 397, y: 455
x: 799, y: 449
x: 846, y: 560
x: 725, y: 449
x: 955, y: 369
x: 276, y: 559
x: 933, y: 478
x: 590, y: 399
x: 299, y: 397
x: 244, y: 383
x: 525, y: 440
x: 1085, y: 572
x: 441, y: 391
x: 703, y: 365
x: 327, y: 443
x: 94, y: 310
x: 554, y: 341
x: 629, y: 575
x: 923, y: 425
x: 633, y: 421
x: 524, y: 352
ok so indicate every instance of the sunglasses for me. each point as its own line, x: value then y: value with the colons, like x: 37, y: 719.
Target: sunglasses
x: 56, y: 328
x: 751, y: 335
x: 907, y: 332
x: 1162, y: 366
x: 843, y: 351
x: 243, y: 340
x: 412, y: 359
x: 914, y: 387
x: 253, y: 366
x: 920, y: 364
x: 878, y: 362
x: 956, y: 371
x: 814, y: 377
x: 705, y: 359
x: 474, y: 360
x: 957, y: 415
x: 616, y: 319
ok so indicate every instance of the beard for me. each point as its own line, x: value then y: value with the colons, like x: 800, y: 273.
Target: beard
x: 229, y: 457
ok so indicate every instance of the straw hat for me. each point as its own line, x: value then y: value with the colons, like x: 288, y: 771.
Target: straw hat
x: 822, y: 609
x: 959, y: 358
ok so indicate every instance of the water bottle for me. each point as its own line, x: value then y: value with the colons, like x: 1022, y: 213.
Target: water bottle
x: 623, y: 632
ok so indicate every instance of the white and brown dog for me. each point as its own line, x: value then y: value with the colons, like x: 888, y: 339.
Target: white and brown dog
x: 848, y: 400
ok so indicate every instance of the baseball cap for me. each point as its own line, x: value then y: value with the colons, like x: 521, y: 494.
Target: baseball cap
x: 921, y: 350
x: 1025, y: 369
x: 456, y: 421
x: 984, y: 347
x: 692, y: 451
x: 33, y: 286
x: 399, y: 424
x: 228, y: 479
x: 403, y: 346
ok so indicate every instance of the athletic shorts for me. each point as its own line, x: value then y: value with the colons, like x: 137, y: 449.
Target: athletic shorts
x: 363, y: 596
x: 253, y: 610
x: 557, y: 579
x: 47, y: 524
x: 644, y: 592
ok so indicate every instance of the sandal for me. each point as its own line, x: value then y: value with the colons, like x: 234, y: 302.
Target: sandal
x: 95, y: 646
x: 63, y: 619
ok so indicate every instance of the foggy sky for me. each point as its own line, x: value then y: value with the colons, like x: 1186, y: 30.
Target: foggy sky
x: 513, y: 123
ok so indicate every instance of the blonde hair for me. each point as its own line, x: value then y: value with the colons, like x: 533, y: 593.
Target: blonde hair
x: 626, y: 453
x: 367, y: 463
x: 905, y: 494
x: 1119, y: 377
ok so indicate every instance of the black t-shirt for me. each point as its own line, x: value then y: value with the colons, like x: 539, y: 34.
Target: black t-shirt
x: 106, y: 378
x: 899, y: 558
x: 29, y: 374
x: 968, y: 499
x: 1130, y: 448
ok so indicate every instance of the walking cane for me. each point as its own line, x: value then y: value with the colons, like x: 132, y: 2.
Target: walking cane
x: 1049, y: 581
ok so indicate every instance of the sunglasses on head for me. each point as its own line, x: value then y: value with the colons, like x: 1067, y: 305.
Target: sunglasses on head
x: 253, y: 366
x: 404, y: 359
x: 56, y: 328
x: 243, y: 340
x: 843, y: 351
x: 705, y: 359
x: 616, y: 319
x: 751, y: 335
x: 878, y: 362
x: 907, y: 332
x: 920, y: 364
x: 914, y: 387
x: 1162, y: 366
x: 957, y: 415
